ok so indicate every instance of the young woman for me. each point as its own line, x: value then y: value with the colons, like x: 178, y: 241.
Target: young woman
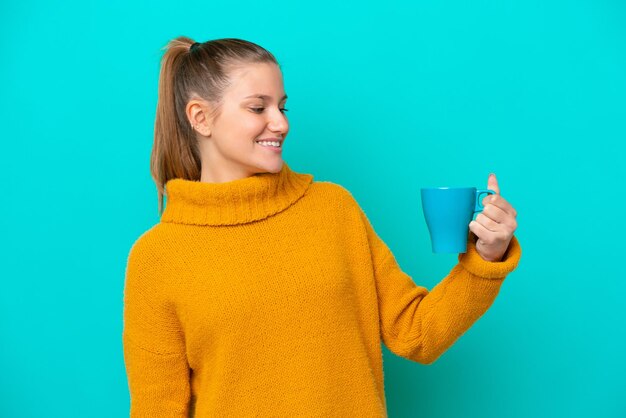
x: 262, y: 292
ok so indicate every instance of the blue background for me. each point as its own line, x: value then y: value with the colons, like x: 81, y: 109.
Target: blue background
x: 384, y: 99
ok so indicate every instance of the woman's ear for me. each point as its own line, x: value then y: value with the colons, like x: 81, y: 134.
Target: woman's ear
x: 198, y: 115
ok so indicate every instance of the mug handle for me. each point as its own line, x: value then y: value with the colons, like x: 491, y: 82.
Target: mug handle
x: 479, y: 206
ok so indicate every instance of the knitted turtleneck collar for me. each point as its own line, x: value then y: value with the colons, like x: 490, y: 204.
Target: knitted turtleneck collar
x: 233, y: 202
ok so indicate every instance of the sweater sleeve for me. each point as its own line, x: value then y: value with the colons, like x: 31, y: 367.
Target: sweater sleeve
x: 420, y: 325
x: 154, y: 351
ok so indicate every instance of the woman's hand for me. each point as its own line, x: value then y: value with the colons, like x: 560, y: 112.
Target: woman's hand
x: 495, y: 225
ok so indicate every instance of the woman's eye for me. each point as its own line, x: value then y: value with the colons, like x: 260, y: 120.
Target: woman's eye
x: 260, y: 109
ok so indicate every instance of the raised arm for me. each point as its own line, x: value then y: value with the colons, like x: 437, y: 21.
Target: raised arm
x: 421, y: 325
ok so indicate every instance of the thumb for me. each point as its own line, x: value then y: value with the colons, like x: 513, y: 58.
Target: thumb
x: 492, y: 183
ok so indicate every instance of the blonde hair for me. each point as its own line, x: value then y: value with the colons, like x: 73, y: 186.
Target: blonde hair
x: 186, y: 73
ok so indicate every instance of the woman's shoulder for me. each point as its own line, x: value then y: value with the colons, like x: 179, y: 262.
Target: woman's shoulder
x: 148, y: 261
x: 148, y: 245
x: 335, y: 198
x: 332, y: 190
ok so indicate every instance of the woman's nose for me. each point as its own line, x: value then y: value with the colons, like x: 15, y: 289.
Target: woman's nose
x: 278, y: 122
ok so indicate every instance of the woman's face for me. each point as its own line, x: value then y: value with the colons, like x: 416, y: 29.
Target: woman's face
x: 252, y: 109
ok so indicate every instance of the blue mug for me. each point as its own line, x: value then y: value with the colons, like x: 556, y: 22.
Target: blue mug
x: 448, y: 212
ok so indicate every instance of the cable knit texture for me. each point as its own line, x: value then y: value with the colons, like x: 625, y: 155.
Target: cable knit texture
x: 270, y: 296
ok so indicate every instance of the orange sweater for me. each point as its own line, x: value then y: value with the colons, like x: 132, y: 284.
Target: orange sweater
x: 270, y: 295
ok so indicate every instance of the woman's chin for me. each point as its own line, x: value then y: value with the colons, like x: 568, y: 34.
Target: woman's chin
x: 271, y: 167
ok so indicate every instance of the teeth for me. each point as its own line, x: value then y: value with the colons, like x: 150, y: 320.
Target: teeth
x: 272, y: 143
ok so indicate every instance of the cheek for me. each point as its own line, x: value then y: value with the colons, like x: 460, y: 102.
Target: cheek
x: 249, y: 126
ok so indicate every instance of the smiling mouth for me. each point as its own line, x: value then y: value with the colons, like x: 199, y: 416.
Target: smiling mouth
x: 270, y: 144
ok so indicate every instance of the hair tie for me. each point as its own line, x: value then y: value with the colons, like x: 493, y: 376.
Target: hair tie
x: 194, y: 46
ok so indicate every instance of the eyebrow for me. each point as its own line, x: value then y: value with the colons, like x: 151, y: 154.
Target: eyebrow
x: 264, y: 96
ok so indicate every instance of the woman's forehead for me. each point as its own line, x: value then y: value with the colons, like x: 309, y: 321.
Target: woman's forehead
x: 262, y: 80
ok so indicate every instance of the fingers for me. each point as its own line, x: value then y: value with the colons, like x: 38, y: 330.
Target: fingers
x: 486, y: 236
x: 495, y: 225
x: 492, y: 183
x: 500, y: 202
x: 497, y: 220
x: 488, y: 223
x: 495, y: 214
x: 480, y: 231
x: 497, y: 199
